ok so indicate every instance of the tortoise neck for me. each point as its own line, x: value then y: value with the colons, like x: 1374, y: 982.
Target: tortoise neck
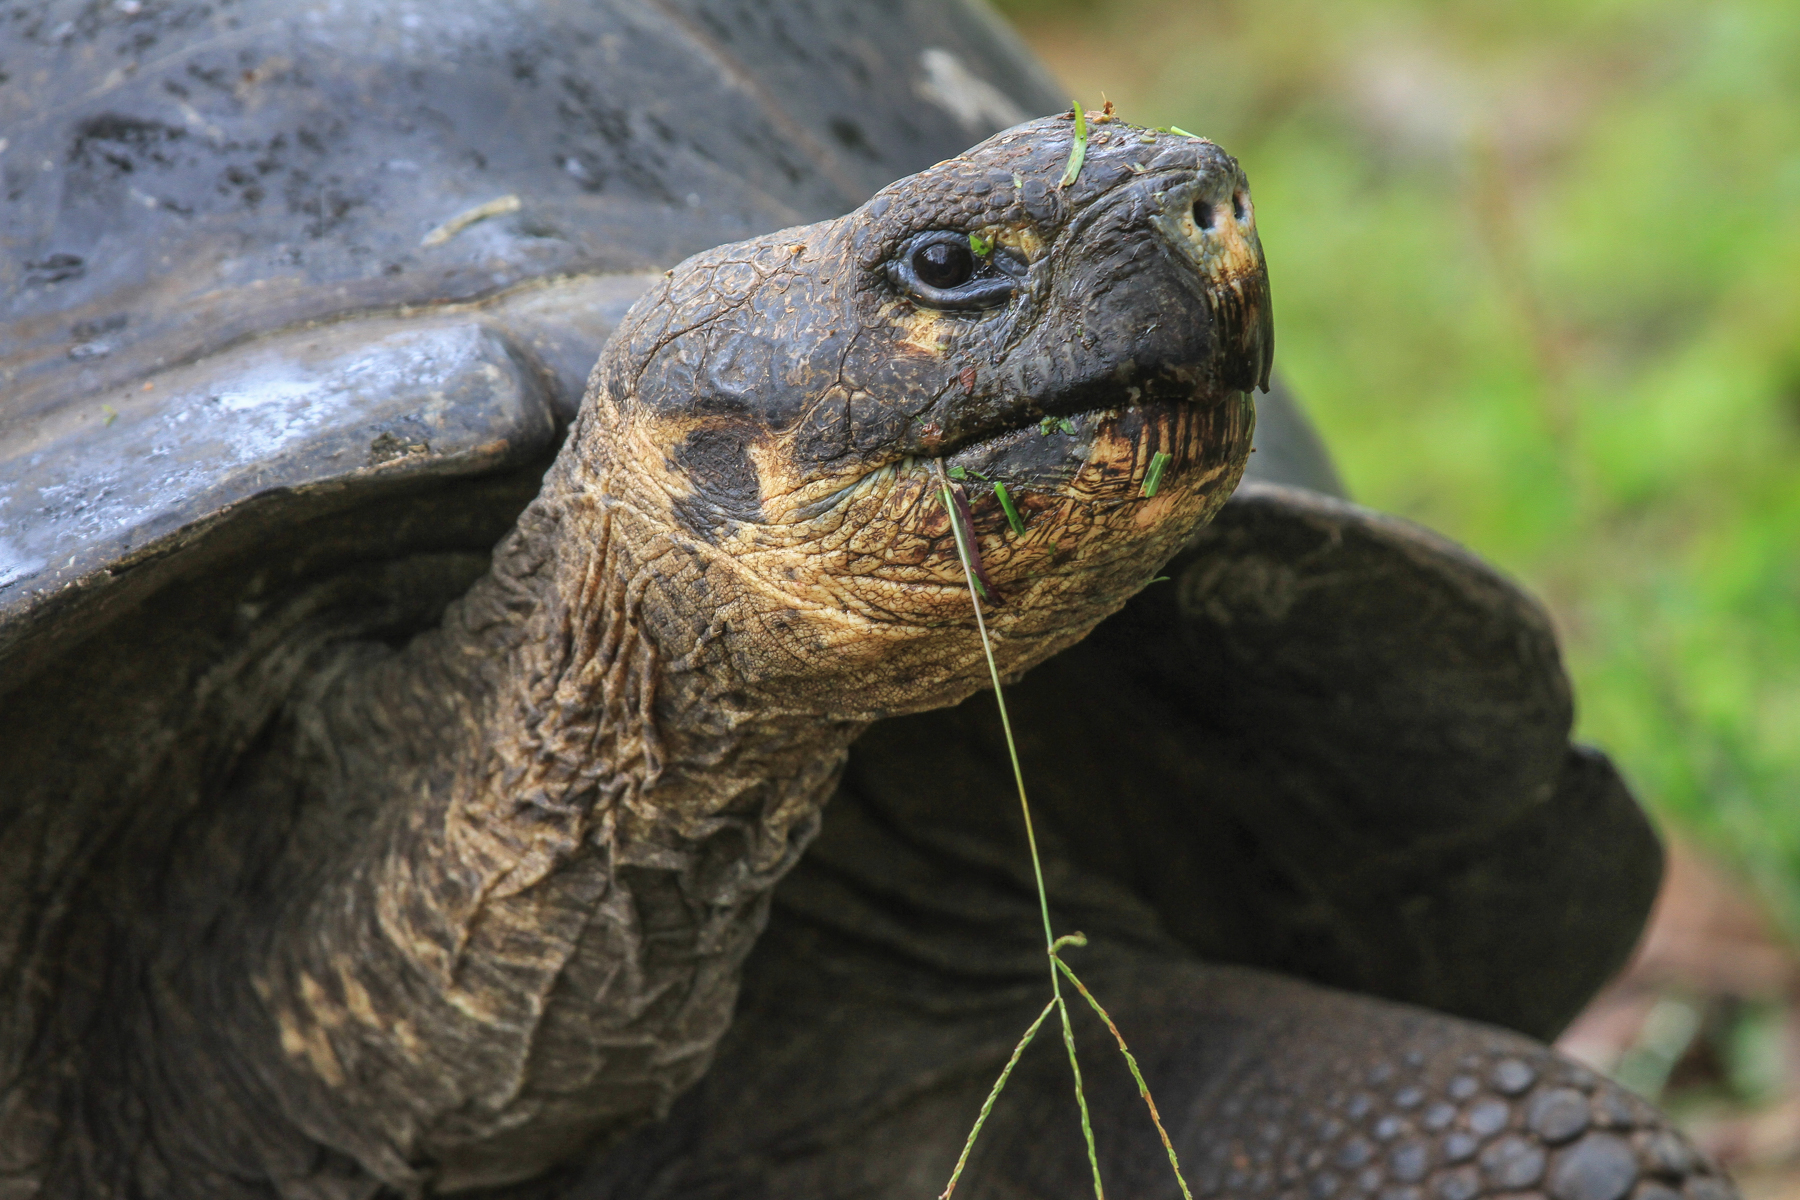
x: 604, y: 678
x: 540, y: 940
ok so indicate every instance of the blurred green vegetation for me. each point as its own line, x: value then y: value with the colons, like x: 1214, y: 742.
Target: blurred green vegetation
x: 1537, y: 275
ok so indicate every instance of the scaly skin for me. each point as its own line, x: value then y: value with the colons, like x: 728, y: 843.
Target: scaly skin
x: 455, y: 911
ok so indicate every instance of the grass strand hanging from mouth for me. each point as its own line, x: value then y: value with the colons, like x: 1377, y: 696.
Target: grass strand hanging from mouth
x: 963, y: 532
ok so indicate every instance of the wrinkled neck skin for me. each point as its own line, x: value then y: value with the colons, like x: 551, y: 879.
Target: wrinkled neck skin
x: 543, y: 940
x: 587, y: 782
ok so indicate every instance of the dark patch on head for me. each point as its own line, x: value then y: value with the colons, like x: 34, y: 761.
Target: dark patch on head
x: 726, y: 488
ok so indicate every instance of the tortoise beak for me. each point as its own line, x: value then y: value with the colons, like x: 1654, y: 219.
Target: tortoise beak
x: 1209, y: 220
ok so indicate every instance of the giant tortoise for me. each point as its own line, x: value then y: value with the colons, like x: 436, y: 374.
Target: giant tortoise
x: 412, y: 744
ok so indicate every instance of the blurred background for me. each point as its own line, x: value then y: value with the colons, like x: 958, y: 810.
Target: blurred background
x: 1536, y: 270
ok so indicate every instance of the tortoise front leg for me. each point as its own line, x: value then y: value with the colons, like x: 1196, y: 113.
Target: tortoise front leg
x: 857, y: 1072
x: 1280, y: 1089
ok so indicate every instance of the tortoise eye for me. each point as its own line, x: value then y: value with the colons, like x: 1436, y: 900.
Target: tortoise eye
x: 939, y: 269
x: 943, y: 264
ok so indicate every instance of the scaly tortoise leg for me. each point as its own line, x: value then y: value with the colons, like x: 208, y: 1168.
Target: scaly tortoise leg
x: 846, y: 1079
x: 1277, y: 1088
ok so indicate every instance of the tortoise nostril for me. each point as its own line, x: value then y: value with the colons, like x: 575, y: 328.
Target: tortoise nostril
x: 1203, y: 214
x: 1240, y: 205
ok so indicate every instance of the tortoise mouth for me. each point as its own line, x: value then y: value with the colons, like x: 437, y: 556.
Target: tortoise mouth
x: 1099, y: 450
x: 1107, y: 456
x: 1097, y: 494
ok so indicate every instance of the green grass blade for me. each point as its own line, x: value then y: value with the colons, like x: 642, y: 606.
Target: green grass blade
x: 1006, y: 506
x: 1131, y: 1061
x: 1153, y: 479
x: 988, y: 1106
x: 1087, y: 1126
x: 1078, y: 150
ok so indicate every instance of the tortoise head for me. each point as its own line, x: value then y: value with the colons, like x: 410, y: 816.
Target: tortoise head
x: 790, y: 407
